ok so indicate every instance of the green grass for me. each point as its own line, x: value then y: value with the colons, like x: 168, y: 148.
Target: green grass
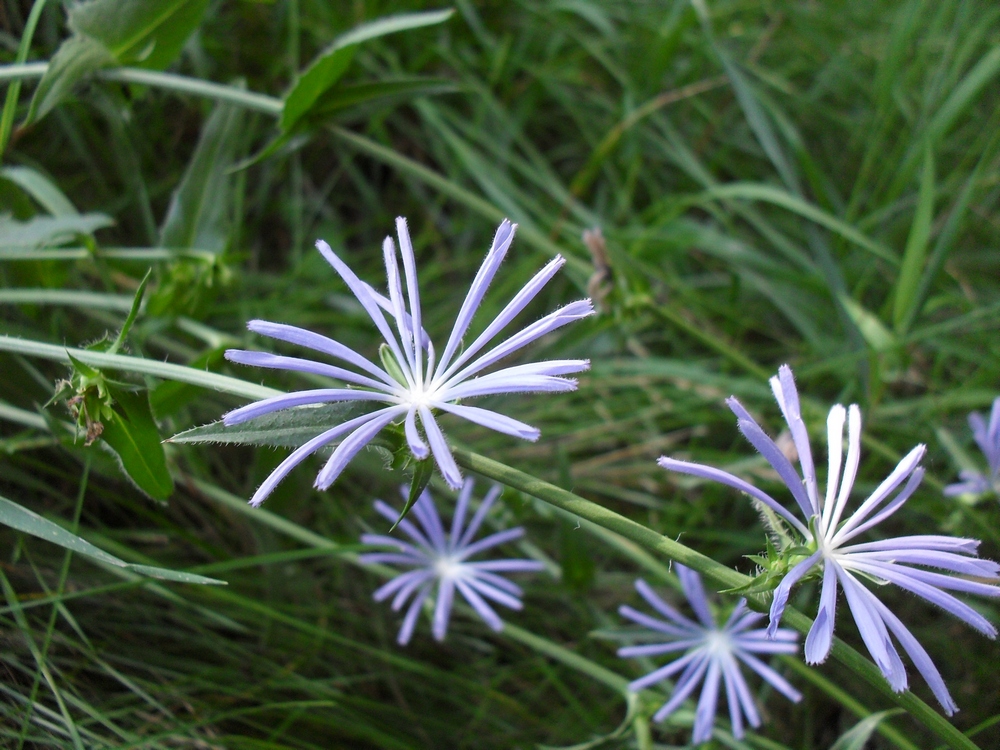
x: 806, y: 183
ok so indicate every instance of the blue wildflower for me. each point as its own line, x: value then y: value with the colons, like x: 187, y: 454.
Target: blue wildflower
x: 414, y: 381
x: 831, y: 541
x: 988, y: 439
x: 441, y: 560
x: 711, y: 654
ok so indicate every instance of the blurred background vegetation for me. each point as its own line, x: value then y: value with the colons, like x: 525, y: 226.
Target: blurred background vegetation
x: 806, y: 182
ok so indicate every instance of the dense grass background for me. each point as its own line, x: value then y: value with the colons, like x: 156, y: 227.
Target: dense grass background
x: 801, y: 182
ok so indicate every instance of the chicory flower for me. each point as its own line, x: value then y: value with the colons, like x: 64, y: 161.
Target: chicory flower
x: 414, y: 380
x: 711, y: 654
x: 832, y: 550
x: 440, y: 560
x: 988, y: 438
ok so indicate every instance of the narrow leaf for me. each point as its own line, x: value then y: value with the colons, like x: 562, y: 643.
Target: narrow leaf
x: 198, y: 215
x: 132, y: 314
x: 46, y: 231
x: 422, y: 473
x: 41, y: 188
x: 857, y: 736
x: 330, y: 65
x: 916, y: 247
x: 77, y: 57
x: 134, y: 437
x: 876, y: 335
x: 29, y: 522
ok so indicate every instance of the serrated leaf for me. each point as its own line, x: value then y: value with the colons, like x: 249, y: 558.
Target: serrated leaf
x: 29, y: 522
x: 330, y: 65
x: 288, y: 428
x: 41, y: 188
x: 198, y: 215
x: 76, y: 57
x: 857, y: 736
x: 48, y: 231
x: 147, y: 33
x: 133, y: 436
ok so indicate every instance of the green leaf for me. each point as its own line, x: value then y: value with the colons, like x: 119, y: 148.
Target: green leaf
x: 133, y: 436
x: 422, y: 472
x: 146, y: 33
x: 132, y: 314
x: 47, y: 231
x: 29, y: 522
x: 288, y: 428
x: 857, y: 736
x: 330, y: 65
x: 77, y: 57
x: 351, y: 95
x: 916, y: 247
x: 877, y: 336
x: 198, y: 215
x: 41, y: 188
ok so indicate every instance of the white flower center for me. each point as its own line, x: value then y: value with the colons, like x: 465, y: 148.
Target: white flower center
x: 448, y: 567
x: 718, y: 642
x: 421, y: 396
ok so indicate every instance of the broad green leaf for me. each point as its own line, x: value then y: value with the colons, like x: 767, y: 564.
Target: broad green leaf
x: 288, y: 428
x: 42, y: 189
x: 29, y: 522
x: 77, y: 57
x: 329, y: 66
x: 147, y: 33
x: 857, y: 736
x: 47, y: 231
x: 198, y: 215
x: 132, y: 435
x: 916, y: 247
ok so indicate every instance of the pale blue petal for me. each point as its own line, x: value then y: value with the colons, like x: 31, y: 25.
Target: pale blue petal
x: 353, y: 443
x: 491, y: 419
x: 770, y: 451
x: 319, y: 343
x: 300, y: 398
x: 439, y: 447
x: 518, y: 303
x: 295, y: 364
x: 820, y: 638
x: 482, y: 608
x: 723, y: 477
x: 442, y: 608
x: 501, y: 242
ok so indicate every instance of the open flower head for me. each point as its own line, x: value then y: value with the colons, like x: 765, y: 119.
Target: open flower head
x: 831, y: 537
x: 711, y: 654
x: 988, y: 438
x: 414, y: 381
x: 440, y: 564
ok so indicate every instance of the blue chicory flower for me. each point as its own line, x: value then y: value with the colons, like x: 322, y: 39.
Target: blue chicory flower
x: 415, y: 381
x: 712, y: 653
x: 441, y: 560
x: 831, y: 541
x: 988, y: 438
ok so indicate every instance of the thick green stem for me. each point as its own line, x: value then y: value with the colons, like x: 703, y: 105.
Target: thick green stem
x: 717, y: 572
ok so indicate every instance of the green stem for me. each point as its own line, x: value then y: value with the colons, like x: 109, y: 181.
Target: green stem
x: 152, y: 367
x: 14, y: 92
x: 717, y: 572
